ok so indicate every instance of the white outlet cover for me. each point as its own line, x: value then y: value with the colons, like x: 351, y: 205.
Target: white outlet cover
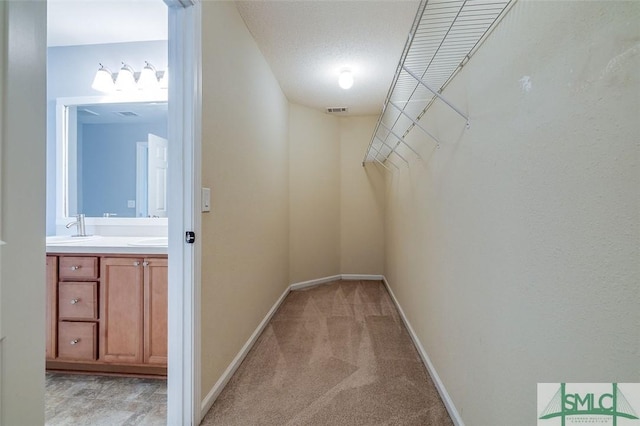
x: 131, y: 204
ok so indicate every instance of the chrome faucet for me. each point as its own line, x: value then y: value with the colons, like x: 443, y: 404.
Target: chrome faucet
x: 79, y: 222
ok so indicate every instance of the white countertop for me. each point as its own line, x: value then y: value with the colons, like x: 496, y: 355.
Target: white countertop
x: 107, y: 245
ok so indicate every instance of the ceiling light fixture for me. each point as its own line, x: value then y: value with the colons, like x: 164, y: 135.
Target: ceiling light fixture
x: 126, y: 80
x: 346, y: 79
x: 148, y: 78
x: 103, y: 81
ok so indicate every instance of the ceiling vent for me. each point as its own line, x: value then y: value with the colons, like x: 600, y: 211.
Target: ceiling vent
x: 86, y: 111
x: 337, y: 110
x: 127, y: 114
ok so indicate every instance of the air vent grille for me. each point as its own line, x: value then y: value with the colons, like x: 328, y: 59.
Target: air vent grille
x: 337, y: 110
x: 86, y: 111
x: 127, y: 114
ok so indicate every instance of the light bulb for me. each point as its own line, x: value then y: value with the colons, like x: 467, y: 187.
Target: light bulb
x: 103, y: 81
x: 148, y: 78
x: 126, y: 80
x: 346, y: 79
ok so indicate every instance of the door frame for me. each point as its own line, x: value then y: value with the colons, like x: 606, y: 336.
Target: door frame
x: 184, y: 198
x: 142, y: 149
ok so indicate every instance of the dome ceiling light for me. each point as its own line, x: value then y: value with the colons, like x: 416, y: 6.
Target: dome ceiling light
x: 346, y: 79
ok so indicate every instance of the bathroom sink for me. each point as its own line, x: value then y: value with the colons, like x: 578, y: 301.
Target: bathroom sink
x: 150, y: 242
x: 68, y: 239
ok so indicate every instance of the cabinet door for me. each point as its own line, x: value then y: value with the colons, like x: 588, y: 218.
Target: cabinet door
x: 121, y: 310
x: 51, y: 309
x: 155, y: 311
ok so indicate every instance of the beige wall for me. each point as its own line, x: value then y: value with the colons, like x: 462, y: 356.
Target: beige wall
x: 336, y: 205
x: 314, y: 194
x: 361, y: 201
x: 290, y: 200
x: 245, y: 264
x: 514, y: 247
x: 22, y: 218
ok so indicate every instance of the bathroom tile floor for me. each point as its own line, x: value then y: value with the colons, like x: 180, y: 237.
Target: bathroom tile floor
x: 73, y: 399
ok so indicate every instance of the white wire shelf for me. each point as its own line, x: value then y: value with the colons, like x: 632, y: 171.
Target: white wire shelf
x: 444, y: 35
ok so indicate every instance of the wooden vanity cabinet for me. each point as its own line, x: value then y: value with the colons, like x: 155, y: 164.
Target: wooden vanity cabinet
x: 134, y: 310
x: 121, y: 310
x: 156, y: 301
x: 77, y: 303
x: 51, y: 308
x: 107, y: 313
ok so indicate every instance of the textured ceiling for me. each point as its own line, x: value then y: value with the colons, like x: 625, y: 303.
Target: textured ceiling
x: 72, y: 22
x: 307, y: 43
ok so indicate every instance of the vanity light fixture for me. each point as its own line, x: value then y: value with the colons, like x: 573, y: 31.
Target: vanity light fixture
x: 346, y: 79
x: 164, y: 81
x: 126, y: 80
x: 103, y: 81
x: 148, y: 78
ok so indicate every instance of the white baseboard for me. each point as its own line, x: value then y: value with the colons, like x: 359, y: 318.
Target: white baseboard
x: 313, y: 283
x: 215, y: 391
x: 356, y: 277
x: 448, y: 402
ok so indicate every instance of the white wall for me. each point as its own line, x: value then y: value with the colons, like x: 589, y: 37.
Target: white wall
x: 514, y: 247
x: 245, y: 241
x: 22, y: 217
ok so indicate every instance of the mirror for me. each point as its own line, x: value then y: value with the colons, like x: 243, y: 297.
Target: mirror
x: 112, y: 157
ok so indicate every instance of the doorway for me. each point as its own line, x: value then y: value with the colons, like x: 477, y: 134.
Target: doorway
x: 184, y: 178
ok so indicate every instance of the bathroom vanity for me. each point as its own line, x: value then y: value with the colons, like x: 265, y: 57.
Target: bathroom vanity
x: 107, y: 295
x: 107, y: 305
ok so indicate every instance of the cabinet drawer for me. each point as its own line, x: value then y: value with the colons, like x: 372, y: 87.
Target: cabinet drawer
x: 78, y: 301
x: 78, y: 268
x: 77, y: 341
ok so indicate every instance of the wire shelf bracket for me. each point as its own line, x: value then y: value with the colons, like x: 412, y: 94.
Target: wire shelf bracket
x: 400, y: 139
x: 428, y: 133
x: 445, y: 34
x: 395, y: 152
x: 438, y: 95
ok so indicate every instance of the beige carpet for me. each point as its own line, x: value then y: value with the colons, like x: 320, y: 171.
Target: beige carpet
x: 336, y: 354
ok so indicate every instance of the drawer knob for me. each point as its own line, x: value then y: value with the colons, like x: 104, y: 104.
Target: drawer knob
x: 75, y: 267
x: 136, y: 263
x: 74, y: 301
x: 74, y: 341
x: 145, y: 263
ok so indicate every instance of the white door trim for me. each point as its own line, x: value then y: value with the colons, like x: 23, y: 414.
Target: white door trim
x: 142, y: 149
x: 185, y: 100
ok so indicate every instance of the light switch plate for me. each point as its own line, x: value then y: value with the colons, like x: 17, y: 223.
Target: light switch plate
x: 206, y: 199
x: 131, y: 204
